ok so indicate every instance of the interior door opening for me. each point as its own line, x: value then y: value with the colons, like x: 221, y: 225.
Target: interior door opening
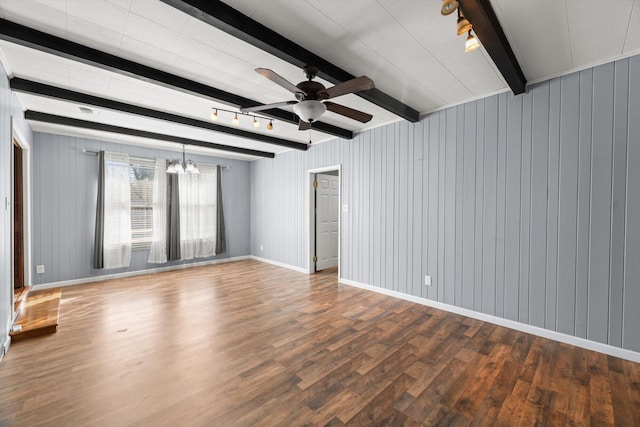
x: 325, y: 220
x: 18, y: 217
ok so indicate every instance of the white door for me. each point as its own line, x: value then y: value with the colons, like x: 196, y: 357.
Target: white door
x: 327, y: 220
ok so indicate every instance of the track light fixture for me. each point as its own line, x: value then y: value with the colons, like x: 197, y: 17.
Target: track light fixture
x: 463, y: 24
x: 236, y: 118
x: 471, y: 44
x: 448, y: 7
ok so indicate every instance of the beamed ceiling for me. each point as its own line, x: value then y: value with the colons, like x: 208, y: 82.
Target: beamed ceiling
x: 152, y: 71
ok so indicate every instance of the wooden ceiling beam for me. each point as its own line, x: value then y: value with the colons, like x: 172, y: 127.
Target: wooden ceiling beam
x: 489, y: 31
x: 25, y: 36
x: 41, y: 89
x: 38, y: 116
x: 227, y: 19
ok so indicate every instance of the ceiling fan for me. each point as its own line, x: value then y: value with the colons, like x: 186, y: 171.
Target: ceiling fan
x: 312, y: 97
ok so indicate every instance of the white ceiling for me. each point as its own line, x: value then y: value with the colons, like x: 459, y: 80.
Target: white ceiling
x: 406, y: 46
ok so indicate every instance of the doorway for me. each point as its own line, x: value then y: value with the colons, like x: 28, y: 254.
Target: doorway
x: 324, y: 220
x: 18, y: 217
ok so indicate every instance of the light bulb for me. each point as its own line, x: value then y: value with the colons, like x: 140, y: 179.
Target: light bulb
x: 471, y: 44
x: 256, y: 123
x: 235, y: 120
x: 270, y: 125
x: 214, y: 115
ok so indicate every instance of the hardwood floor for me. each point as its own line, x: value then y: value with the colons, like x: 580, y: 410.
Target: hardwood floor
x: 39, y: 316
x: 248, y: 343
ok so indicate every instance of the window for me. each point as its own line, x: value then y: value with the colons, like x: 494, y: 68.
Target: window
x: 141, y: 173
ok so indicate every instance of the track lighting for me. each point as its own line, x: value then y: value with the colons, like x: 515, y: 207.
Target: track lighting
x: 236, y: 117
x: 463, y: 24
x: 471, y: 44
x: 448, y: 7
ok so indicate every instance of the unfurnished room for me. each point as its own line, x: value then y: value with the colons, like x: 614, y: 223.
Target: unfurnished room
x: 319, y: 213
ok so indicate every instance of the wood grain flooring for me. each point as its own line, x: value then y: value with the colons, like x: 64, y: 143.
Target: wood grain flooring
x: 247, y: 343
x: 39, y: 314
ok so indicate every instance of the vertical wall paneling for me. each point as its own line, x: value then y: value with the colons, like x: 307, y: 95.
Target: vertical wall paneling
x: 487, y: 252
x: 584, y: 197
x: 568, y: 203
x: 10, y: 108
x: 440, y: 145
x: 432, y: 206
x: 451, y: 138
x: 512, y: 200
x: 523, y: 207
x: 600, y: 227
x: 631, y: 292
x: 478, y: 222
x: 501, y: 184
x: 459, y: 206
x: 539, y: 185
x: 618, y: 194
x: 553, y: 158
x: 65, y: 185
x: 419, y: 198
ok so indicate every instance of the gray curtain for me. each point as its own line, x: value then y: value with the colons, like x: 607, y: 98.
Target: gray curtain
x: 98, y: 254
x: 221, y: 239
x: 173, y: 218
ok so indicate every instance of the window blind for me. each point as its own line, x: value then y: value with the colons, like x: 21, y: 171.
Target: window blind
x: 141, y: 174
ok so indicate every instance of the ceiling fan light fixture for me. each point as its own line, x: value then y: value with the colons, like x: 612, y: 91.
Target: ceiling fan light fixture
x: 471, y: 44
x: 448, y: 7
x: 309, y: 110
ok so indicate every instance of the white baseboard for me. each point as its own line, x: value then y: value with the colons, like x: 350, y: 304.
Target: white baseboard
x: 511, y: 324
x: 281, y: 264
x: 135, y: 273
x: 5, y: 346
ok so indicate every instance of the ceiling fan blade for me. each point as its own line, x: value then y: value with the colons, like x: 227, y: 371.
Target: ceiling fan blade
x: 304, y: 125
x: 279, y: 80
x: 266, y: 106
x: 348, y: 112
x: 350, y: 86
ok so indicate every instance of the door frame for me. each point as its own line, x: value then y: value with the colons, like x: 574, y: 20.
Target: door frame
x: 311, y: 204
x: 19, y: 138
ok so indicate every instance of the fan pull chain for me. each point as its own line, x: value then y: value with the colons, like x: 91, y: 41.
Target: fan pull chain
x: 309, y: 136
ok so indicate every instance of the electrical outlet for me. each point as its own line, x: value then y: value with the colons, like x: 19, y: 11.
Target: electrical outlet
x: 40, y: 269
x: 427, y: 280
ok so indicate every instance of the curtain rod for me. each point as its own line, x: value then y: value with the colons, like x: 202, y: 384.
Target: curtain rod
x: 84, y: 150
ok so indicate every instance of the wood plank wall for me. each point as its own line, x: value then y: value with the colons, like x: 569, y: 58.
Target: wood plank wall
x: 521, y: 207
x: 64, y: 193
x: 9, y: 107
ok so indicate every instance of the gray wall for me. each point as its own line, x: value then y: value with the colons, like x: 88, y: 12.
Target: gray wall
x: 9, y: 107
x: 64, y: 190
x: 525, y: 207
